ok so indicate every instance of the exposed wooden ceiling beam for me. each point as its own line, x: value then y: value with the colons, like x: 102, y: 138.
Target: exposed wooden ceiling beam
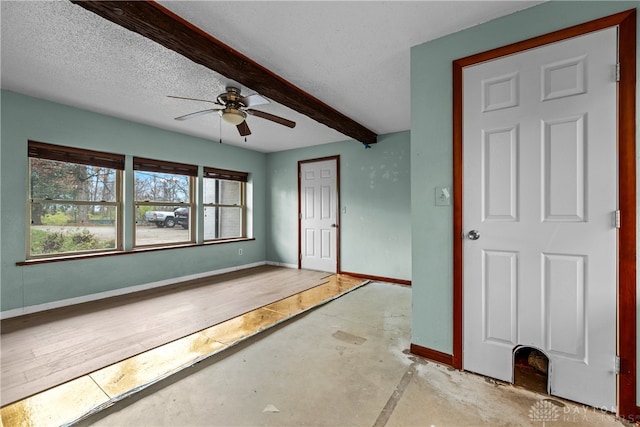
x: 157, y: 23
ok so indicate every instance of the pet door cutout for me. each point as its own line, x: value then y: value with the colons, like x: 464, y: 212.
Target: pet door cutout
x: 531, y: 369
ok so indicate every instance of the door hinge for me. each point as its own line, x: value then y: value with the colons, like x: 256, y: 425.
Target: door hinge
x: 616, y: 366
x: 617, y: 72
x: 616, y: 218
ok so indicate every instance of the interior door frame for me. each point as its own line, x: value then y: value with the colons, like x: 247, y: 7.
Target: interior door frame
x: 320, y: 159
x: 626, y: 260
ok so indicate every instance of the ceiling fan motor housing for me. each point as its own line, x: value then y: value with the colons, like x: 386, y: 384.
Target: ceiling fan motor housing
x: 232, y: 98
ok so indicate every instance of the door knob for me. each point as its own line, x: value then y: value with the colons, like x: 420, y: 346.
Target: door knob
x: 334, y: 225
x: 473, y: 235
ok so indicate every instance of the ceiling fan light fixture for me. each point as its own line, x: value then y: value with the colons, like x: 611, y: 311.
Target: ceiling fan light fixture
x: 233, y: 115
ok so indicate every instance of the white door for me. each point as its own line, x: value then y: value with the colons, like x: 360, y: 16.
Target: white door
x: 318, y: 216
x: 540, y: 189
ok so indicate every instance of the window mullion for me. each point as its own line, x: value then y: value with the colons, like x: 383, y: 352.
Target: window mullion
x: 219, y: 205
x: 75, y: 202
x: 164, y: 203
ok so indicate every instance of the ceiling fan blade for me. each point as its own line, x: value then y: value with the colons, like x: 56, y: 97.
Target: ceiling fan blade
x: 253, y: 100
x: 192, y: 99
x: 243, y: 128
x: 276, y: 119
x: 196, y: 114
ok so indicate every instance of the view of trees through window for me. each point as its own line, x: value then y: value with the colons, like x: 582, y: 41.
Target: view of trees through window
x: 154, y: 186
x: 73, y: 207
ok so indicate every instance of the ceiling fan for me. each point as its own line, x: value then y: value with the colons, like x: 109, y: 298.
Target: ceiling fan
x: 233, y: 108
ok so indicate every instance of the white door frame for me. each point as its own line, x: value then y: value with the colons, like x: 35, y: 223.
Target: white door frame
x: 337, y: 234
x: 626, y: 21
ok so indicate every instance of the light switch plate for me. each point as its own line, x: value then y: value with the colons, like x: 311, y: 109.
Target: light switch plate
x: 443, y: 196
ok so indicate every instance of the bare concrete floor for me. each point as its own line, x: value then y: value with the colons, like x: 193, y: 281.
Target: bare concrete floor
x: 343, y: 364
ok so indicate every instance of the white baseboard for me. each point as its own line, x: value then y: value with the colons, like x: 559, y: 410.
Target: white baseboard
x: 282, y: 264
x: 123, y: 291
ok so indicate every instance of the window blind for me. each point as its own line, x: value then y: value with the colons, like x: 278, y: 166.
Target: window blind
x: 160, y: 166
x: 225, y: 174
x: 75, y: 155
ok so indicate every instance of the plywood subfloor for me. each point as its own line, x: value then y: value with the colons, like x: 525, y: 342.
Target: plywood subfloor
x: 42, y: 350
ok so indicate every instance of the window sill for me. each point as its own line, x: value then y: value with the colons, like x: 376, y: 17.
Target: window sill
x: 36, y: 261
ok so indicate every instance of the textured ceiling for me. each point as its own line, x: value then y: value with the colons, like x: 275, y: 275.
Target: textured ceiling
x: 354, y: 56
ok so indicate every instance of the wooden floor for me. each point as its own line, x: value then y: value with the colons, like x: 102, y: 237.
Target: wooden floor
x: 42, y: 350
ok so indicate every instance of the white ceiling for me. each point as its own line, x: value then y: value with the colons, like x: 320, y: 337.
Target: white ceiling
x: 354, y: 56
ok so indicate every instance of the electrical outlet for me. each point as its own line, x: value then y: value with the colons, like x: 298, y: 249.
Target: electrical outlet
x: 239, y: 251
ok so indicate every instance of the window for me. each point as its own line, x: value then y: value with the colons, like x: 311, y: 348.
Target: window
x: 163, y: 202
x: 74, y: 200
x: 224, y: 204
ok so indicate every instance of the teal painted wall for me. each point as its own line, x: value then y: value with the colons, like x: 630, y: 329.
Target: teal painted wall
x: 375, y: 231
x: 431, y: 148
x: 26, y: 118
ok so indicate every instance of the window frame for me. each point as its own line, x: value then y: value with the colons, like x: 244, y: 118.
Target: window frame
x: 76, y: 156
x: 228, y: 175
x: 125, y: 243
x: 160, y: 166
